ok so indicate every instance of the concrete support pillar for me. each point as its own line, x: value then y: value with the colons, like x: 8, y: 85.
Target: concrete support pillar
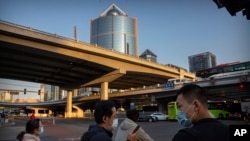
x: 104, y: 91
x: 50, y: 112
x: 42, y: 92
x: 79, y: 113
x: 75, y: 92
x: 162, y: 108
x: 36, y: 113
x: 68, y: 110
x: 181, y: 74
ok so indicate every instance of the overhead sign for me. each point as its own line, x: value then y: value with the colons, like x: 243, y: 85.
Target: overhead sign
x: 14, y: 92
x: 169, y: 85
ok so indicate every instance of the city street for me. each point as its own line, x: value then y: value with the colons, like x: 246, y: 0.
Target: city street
x: 72, y: 129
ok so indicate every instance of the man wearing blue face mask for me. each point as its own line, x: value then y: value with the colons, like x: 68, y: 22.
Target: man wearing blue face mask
x: 193, y: 112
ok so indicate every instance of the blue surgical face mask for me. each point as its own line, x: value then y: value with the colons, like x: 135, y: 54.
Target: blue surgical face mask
x: 182, y: 118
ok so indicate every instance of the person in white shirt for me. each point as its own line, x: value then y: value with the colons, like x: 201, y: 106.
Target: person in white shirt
x: 128, y: 125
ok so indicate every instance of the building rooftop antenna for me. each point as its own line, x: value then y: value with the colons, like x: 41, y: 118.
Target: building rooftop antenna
x: 126, y: 7
x: 100, y: 7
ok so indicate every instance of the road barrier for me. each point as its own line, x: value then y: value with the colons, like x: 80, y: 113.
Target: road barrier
x: 48, y: 120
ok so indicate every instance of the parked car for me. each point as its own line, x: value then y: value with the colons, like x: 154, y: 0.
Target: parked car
x: 144, y: 117
x: 236, y: 115
x: 160, y: 116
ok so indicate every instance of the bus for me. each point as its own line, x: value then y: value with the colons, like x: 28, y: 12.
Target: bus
x: 224, y: 68
x: 172, y: 110
x: 229, y: 74
x: 219, y: 109
x: 177, y: 81
x: 147, y: 108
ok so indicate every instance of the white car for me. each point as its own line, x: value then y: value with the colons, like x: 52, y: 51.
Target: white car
x: 160, y: 116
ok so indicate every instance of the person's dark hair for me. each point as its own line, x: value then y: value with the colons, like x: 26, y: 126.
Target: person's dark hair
x: 133, y: 114
x: 103, y: 108
x: 31, y: 125
x: 191, y: 92
x: 20, y: 136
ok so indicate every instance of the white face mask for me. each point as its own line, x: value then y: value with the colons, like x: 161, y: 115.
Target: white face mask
x: 115, y: 124
x: 41, y: 130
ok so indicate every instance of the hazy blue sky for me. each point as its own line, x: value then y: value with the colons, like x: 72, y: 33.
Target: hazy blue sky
x: 173, y: 30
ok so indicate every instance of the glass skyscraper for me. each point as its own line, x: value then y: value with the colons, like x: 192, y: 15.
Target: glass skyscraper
x: 201, y: 61
x: 115, y: 30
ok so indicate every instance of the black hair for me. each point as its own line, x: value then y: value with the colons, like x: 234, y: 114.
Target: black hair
x: 20, y: 136
x: 31, y: 125
x: 191, y: 92
x: 133, y: 114
x: 103, y: 108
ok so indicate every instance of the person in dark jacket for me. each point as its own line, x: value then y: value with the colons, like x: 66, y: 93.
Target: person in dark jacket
x: 194, y: 115
x: 105, y: 113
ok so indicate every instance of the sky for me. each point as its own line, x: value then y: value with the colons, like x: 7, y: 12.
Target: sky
x: 173, y: 30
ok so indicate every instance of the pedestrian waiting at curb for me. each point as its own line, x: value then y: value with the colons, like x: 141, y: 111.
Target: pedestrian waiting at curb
x: 0, y: 119
x: 34, y: 129
x: 3, y: 118
x: 105, y: 113
x: 194, y: 115
x: 32, y: 116
x: 128, y: 125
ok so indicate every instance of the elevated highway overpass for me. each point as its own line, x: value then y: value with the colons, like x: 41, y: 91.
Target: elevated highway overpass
x: 36, y: 56
x: 31, y: 55
x: 223, y: 89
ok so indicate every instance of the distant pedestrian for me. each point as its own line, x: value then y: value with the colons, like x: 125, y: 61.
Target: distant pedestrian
x: 193, y: 112
x: 32, y: 116
x: 34, y: 129
x: 0, y: 119
x: 3, y: 118
x: 105, y: 113
x: 128, y: 125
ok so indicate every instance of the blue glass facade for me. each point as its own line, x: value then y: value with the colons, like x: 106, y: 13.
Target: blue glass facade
x: 201, y: 61
x: 115, y: 31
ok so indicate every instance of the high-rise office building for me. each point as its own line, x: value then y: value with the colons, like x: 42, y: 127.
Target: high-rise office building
x: 49, y: 92
x: 149, y: 55
x: 115, y: 30
x: 201, y: 61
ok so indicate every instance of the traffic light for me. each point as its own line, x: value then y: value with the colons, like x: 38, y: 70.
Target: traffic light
x: 234, y: 6
x: 246, y: 12
x: 24, y: 91
x: 220, y: 3
x: 241, y: 86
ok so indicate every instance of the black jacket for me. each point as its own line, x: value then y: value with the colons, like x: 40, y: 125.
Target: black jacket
x: 97, y: 133
x: 204, y: 130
